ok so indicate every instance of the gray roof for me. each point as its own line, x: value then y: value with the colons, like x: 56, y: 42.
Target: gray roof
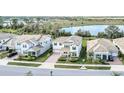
x: 70, y: 40
x: 101, y: 45
x: 5, y: 35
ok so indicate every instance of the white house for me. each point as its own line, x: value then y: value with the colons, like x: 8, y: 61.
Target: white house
x: 33, y: 45
x: 119, y: 42
x: 4, y: 38
x: 68, y: 46
x: 102, y: 49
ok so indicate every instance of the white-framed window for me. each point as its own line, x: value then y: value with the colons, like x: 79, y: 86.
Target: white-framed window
x: 18, y: 44
x: 24, y: 46
x: 55, y: 44
x: 98, y: 56
x: 60, y: 44
x: 74, y: 54
x: 73, y: 48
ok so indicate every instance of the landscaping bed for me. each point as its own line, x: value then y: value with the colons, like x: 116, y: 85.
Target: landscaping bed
x: 24, y: 64
x: 98, y: 67
x: 67, y: 66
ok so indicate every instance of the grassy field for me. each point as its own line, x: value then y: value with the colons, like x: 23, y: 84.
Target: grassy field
x: 98, y: 67
x: 8, y: 30
x: 24, y: 64
x: 67, y: 66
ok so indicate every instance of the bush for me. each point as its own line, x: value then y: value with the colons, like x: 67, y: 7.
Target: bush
x: 27, y: 58
x: 73, y: 59
x: 62, y: 59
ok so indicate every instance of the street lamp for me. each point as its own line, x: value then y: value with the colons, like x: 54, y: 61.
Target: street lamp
x: 51, y: 73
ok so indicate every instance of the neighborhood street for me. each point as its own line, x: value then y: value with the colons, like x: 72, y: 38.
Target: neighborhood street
x: 22, y: 71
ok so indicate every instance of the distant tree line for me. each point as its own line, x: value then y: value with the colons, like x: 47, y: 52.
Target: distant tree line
x: 111, y: 32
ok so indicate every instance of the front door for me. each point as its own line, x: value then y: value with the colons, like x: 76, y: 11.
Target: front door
x: 104, y: 57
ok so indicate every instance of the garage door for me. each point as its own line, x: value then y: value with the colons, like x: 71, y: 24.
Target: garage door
x: 57, y: 51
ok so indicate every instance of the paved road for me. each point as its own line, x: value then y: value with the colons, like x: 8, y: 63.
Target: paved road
x: 21, y: 71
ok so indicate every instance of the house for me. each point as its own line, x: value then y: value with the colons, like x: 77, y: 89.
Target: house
x: 119, y: 42
x: 101, y: 49
x: 4, y: 38
x: 33, y: 45
x: 68, y: 46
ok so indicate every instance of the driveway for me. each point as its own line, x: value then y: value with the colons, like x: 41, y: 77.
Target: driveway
x: 115, y: 62
x: 53, y: 58
x: 49, y: 63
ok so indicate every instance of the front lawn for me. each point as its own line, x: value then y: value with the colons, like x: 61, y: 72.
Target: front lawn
x: 44, y: 56
x: 98, y: 67
x: 67, y: 66
x: 24, y: 64
x: 41, y: 58
x: 3, y: 54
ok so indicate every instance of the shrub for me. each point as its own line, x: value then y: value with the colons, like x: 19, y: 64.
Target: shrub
x: 73, y: 59
x: 62, y: 59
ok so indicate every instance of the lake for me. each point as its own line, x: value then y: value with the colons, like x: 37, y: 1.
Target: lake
x: 94, y: 29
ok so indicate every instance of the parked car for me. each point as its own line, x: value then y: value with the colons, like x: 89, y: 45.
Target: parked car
x: 12, y: 54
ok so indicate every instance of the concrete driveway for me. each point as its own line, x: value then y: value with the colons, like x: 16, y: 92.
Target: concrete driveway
x: 49, y: 63
x: 115, y: 62
x: 53, y: 58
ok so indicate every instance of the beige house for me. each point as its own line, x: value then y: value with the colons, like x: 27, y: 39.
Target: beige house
x: 119, y: 42
x: 101, y: 49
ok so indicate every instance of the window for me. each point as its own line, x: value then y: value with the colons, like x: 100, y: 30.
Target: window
x: 98, y: 56
x: 60, y: 44
x: 65, y: 52
x: 0, y: 41
x: 3, y: 40
x: 18, y: 44
x: 24, y: 46
x: 73, y: 48
x: 55, y: 44
x: 74, y: 54
x: 66, y: 46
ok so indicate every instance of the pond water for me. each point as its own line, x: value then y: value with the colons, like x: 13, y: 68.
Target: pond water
x: 94, y: 29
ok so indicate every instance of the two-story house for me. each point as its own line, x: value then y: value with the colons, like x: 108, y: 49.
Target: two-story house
x: 68, y: 46
x: 4, y: 38
x: 33, y: 45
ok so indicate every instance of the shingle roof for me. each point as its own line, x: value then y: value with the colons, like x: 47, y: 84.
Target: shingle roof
x: 101, y: 45
x: 72, y: 39
x: 5, y: 35
x: 119, y: 42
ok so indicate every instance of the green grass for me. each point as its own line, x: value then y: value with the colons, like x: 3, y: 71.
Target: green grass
x: 3, y: 54
x: 8, y: 30
x: 24, y: 64
x: 41, y: 58
x: 44, y: 56
x: 98, y: 67
x: 67, y: 66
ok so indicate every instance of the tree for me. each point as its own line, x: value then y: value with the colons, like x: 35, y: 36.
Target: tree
x: 101, y: 35
x: 112, y: 32
x: 14, y: 23
x: 83, y: 33
x: 1, y: 22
